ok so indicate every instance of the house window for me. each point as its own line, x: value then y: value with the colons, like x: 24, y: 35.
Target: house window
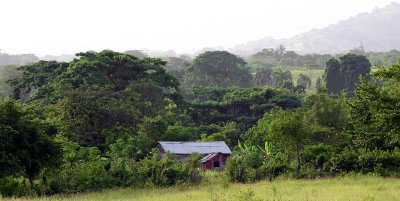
x: 216, y: 164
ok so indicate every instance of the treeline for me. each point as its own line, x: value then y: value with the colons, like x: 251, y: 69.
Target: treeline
x: 269, y: 67
x: 94, y: 122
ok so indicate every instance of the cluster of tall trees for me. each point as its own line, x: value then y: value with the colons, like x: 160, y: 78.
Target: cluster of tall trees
x: 344, y: 74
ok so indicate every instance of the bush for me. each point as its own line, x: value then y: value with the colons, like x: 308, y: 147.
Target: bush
x: 347, y: 160
x: 192, y: 169
x: 277, y: 165
x: 237, y: 167
x: 379, y: 161
x: 318, y: 156
x: 370, y: 161
x: 83, y: 177
x: 246, y: 166
x: 10, y: 186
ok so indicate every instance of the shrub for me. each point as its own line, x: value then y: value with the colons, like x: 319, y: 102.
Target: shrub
x: 245, y: 166
x: 367, y: 161
x: 10, y: 186
x: 277, y: 165
x: 318, y: 156
x: 192, y: 168
x: 84, y: 176
x: 236, y: 167
x: 347, y: 160
x: 379, y: 161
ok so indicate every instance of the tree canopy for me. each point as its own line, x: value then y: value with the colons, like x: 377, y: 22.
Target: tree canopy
x: 343, y: 74
x: 218, y: 68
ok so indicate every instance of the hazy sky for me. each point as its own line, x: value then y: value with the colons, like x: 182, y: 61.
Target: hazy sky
x: 69, y: 26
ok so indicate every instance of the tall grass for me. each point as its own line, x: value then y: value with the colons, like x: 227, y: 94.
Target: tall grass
x: 351, y: 187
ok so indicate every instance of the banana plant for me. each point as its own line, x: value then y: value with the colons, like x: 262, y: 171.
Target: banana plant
x: 268, y: 148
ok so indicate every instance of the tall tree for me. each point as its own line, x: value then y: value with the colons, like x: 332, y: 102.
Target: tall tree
x: 353, y: 66
x: 218, y: 68
x: 100, y: 97
x: 375, y: 112
x: 289, y: 129
x: 333, y: 76
x: 343, y: 74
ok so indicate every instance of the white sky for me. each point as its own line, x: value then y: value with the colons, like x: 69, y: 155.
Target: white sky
x: 69, y: 26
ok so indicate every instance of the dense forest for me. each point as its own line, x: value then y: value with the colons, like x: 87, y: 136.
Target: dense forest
x: 94, y: 122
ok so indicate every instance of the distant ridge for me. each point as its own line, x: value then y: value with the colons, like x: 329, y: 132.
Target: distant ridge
x: 378, y: 30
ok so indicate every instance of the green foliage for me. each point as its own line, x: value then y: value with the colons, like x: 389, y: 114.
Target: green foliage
x: 375, y: 111
x: 96, y: 118
x: 304, y: 81
x: 328, y: 119
x: 281, y: 77
x: 289, y: 130
x: 100, y: 116
x: 343, y: 74
x: 243, y: 106
x: 384, y: 58
x: 35, y: 77
x: 277, y: 165
x: 257, y: 135
x: 177, y: 66
x: 263, y: 77
x: 270, y: 57
x: 25, y: 147
x: 218, y: 68
x: 319, y: 156
x: 18, y: 187
x: 366, y: 161
x: 241, y: 166
x: 7, y: 72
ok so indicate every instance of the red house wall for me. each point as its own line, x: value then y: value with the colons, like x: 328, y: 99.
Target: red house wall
x: 209, y: 164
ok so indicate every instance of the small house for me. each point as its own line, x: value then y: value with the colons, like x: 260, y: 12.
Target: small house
x: 215, y: 153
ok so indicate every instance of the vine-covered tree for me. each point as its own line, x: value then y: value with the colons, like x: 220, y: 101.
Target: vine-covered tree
x: 343, y: 74
x: 353, y: 66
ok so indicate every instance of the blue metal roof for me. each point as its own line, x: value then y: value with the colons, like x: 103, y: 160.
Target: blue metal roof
x: 195, y: 147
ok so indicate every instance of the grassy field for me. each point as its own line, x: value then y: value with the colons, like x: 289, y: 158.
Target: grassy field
x: 363, y: 188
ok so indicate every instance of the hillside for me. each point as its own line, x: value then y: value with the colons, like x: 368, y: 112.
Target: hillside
x: 377, y: 31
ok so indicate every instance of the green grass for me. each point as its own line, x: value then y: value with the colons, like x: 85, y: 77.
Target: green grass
x: 363, y: 188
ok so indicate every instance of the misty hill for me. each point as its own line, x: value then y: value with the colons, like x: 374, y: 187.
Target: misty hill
x: 16, y: 59
x: 377, y: 31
